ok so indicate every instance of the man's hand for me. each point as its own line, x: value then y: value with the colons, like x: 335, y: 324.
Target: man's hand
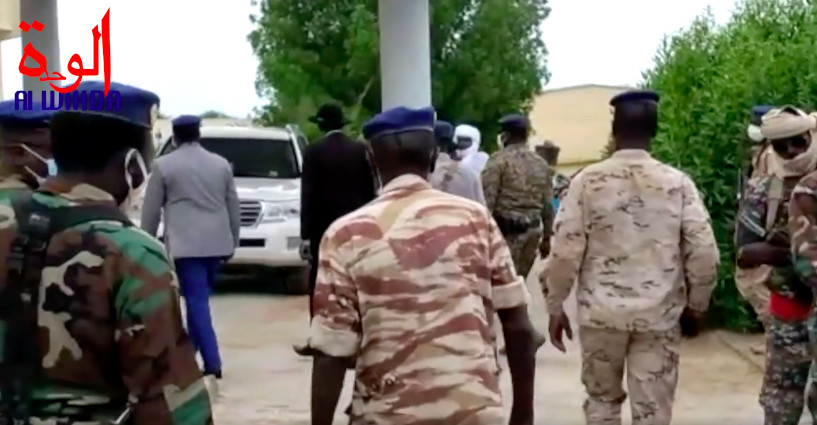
x: 692, y: 322
x: 305, y: 250
x: 559, y: 324
x: 760, y: 253
x: 544, y: 247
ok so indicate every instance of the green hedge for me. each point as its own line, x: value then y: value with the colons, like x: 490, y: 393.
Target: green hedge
x: 709, y: 77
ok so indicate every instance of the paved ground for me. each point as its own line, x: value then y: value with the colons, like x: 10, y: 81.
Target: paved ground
x: 265, y: 383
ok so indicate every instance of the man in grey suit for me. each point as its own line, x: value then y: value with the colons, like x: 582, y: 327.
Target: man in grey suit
x: 195, y: 188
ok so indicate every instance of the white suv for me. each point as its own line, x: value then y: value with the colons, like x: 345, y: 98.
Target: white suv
x: 267, y: 168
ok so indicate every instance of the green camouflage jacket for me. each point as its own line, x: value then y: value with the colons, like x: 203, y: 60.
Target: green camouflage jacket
x: 110, y: 326
x: 803, y: 229
x: 516, y: 179
x: 10, y: 186
x: 755, y: 225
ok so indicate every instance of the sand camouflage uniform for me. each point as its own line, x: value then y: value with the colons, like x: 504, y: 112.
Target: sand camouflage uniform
x: 109, y: 322
x: 635, y: 235
x: 517, y: 182
x: 788, y: 354
x: 409, y: 285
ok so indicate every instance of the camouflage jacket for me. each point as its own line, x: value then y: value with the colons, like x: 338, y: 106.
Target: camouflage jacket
x: 409, y: 285
x: 635, y: 235
x: 516, y: 179
x: 110, y: 323
x: 755, y: 225
x: 803, y: 230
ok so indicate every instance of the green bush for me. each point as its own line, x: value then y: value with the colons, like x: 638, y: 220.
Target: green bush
x: 709, y: 77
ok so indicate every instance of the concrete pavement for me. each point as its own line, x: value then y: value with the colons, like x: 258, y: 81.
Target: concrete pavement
x: 266, y: 383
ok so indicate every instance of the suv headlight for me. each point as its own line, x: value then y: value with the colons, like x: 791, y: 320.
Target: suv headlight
x: 276, y: 212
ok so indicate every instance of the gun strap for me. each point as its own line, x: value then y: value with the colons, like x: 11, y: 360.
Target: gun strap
x: 774, y: 196
x: 21, y: 360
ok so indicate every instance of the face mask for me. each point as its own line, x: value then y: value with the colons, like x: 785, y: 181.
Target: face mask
x: 50, y: 163
x: 133, y: 191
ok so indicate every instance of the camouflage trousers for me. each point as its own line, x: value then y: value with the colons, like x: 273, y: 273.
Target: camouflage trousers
x: 788, y: 359
x: 751, y: 284
x: 524, y: 247
x: 651, y: 360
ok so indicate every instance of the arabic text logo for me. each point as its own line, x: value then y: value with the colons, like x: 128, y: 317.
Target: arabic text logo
x: 75, y: 66
x: 81, y: 100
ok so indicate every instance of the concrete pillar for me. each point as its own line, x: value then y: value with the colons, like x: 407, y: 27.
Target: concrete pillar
x: 405, y: 53
x: 1, y: 71
x: 46, y: 41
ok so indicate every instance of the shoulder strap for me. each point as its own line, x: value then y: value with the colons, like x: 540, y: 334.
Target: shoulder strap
x: 36, y: 224
x: 774, y: 196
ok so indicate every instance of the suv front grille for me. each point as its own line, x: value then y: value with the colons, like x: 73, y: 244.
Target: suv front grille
x: 250, y: 213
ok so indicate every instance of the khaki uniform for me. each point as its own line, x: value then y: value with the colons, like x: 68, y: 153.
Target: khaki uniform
x: 409, y: 285
x: 517, y: 181
x: 635, y: 235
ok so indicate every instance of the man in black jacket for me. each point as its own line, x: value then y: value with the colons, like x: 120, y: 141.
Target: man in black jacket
x: 337, y: 179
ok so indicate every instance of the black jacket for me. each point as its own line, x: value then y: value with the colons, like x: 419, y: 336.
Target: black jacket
x: 337, y: 179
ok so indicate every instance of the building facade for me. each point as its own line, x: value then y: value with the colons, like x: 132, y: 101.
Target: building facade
x: 577, y: 119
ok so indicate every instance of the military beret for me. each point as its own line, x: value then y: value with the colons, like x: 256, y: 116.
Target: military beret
x: 399, y: 120
x: 137, y: 104
x: 186, y: 121
x: 758, y: 112
x: 634, y: 96
x: 514, y: 121
x: 443, y: 130
x: 36, y: 116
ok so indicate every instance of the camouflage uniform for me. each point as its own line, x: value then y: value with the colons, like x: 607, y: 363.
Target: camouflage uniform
x: 409, y: 284
x: 803, y: 231
x: 752, y: 283
x: 641, y: 253
x: 10, y: 186
x: 516, y: 180
x: 110, y: 324
x: 788, y: 355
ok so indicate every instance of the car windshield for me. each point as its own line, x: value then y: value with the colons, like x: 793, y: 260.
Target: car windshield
x: 266, y: 158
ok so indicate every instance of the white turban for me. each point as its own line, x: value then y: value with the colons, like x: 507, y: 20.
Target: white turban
x: 786, y: 122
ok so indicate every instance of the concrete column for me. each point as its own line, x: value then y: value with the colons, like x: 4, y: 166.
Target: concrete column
x: 46, y: 41
x: 1, y: 70
x: 405, y: 53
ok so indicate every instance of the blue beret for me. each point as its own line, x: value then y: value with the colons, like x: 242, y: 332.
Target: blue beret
x: 36, y: 116
x: 136, y: 103
x: 186, y: 121
x: 514, y: 121
x: 399, y: 120
x: 634, y: 96
x: 761, y: 110
x: 443, y: 130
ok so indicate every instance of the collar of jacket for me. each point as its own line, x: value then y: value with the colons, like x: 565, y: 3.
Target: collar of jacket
x: 12, y: 181
x: 406, y: 182
x: 631, y: 154
x: 79, y: 193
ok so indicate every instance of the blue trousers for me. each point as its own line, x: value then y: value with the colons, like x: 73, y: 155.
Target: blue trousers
x: 196, y: 278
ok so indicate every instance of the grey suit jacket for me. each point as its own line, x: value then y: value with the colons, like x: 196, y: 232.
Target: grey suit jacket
x: 201, y: 210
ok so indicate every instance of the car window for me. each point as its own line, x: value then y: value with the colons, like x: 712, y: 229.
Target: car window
x: 302, y: 143
x: 272, y: 158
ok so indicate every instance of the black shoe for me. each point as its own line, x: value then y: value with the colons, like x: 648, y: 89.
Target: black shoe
x: 215, y: 374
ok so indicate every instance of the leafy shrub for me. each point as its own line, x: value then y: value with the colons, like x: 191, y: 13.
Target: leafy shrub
x: 709, y: 77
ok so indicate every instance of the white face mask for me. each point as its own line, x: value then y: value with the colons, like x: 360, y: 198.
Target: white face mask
x: 50, y: 163
x: 133, y: 191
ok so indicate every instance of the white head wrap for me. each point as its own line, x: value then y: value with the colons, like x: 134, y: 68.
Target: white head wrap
x: 472, y: 157
x: 786, y: 122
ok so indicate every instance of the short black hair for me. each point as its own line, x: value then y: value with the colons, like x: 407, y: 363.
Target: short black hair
x: 412, y: 148
x: 518, y: 133
x: 636, y: 119
x: 88, y: 142
x: 186, y: 133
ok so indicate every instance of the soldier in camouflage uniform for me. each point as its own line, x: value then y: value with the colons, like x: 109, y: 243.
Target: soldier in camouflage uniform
x: 26, y: 148
x: 518, y: 193
x: 635, y: 235
x: 752, y: 282
x: 100, y: 293
x: 407, y: 290
x: 763, y: 239
x: 550, y: 152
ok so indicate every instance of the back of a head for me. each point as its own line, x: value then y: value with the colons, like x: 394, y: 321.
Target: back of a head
x: 87, y: 142
x: 402, y: 140
x: 329, y: 117
x: 444, y: 133
x: 516, y: 128
x: 186, y: 129
x: 635, y: 115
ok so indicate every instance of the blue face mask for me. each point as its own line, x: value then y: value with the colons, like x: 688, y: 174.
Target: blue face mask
x: 52, y: 167
x: 50, y: 164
